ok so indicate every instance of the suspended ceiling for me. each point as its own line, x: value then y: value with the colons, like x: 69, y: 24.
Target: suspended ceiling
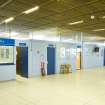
x: 54, y: 13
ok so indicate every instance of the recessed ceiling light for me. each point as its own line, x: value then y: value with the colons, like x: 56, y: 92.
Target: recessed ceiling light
x: 77, y: 22
x: 14, y: 33
x: 92, y: 17
x: 8, y: 20
x: 31, y: 10
x: 98, y: 30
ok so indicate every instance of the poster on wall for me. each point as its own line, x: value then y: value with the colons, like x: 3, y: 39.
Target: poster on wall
x: 6, y: 54
x: 73, y: 51
x: 62, y: 52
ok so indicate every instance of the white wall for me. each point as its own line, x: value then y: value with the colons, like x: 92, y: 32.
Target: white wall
x: 39, y: 48
x: 90, y: 58
x: 8, y: 72
x: 70, y: 58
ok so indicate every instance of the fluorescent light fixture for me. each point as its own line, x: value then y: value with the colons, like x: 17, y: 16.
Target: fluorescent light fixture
x: 99, y: 30
x: 47, y: 38
x: 54, y: 38
x: 14, y: 33
x: 39, y: 37
x: 103, y: 17
x: 66, y: 40
x: 92, y: 17
x: 31, y: 10
x: 8, y: 20
x: 20, y: 37
x: 78, y: 22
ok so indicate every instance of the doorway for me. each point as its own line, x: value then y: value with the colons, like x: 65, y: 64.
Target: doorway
x: 78, y: 59
x: 51, y: 60
x: 22, y: 61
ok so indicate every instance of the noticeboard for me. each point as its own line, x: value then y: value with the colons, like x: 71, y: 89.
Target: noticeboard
x: 7, y: 51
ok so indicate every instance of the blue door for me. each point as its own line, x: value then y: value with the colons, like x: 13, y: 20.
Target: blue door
x: 51, y: 60
x: 24, y: 61
x: 104, y: 57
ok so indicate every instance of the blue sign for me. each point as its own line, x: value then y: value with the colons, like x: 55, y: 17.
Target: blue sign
x: 7, y: 42
x: 22, y: 44
x: 50, y: 45
x: 78, y: 46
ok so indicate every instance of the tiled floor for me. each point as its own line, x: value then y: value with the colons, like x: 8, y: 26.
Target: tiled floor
x: 80, y: 88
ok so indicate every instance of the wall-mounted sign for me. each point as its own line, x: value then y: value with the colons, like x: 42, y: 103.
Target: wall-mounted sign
x: 51, y: 45
x: 68, y: 51
x: 62, y: 52
x: 7, y: 42
x: 7, y: 51
x: 6, y: 54
x: 73, y: 51
x: 22, y: 44
x: 79, y: 46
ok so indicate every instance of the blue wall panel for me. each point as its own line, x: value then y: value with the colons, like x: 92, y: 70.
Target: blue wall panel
x: 24, y: 61
x: 51, y: 60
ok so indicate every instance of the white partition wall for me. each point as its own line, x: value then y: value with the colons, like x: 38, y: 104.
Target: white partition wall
x: 8, y: 68
x: 92, y: 59
x: 7, y: 72
x: 66, y: 54
x: 39, y: 48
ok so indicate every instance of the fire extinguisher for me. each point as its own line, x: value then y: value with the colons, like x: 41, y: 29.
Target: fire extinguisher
x: 43, y: 68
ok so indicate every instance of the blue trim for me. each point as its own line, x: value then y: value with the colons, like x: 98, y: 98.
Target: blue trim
x: 7, y: 64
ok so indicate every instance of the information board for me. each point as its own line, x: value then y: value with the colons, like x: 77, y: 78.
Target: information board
x: 6, y: 54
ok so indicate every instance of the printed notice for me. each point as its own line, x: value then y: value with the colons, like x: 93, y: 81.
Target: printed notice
x: 6, y: 54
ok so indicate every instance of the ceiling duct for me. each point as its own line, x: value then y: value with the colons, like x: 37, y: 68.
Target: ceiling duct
x: 5, y: 2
